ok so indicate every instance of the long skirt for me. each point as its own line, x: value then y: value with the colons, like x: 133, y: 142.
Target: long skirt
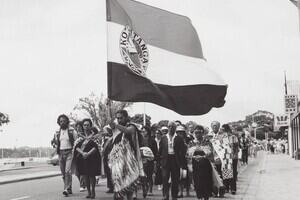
x: 202, y: 176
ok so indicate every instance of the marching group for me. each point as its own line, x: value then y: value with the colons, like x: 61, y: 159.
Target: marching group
x: 172, y: 157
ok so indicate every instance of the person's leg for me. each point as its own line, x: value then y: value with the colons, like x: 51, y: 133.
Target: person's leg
x: 226, y: 184
x: 68, y: 172
x: 150, y: 178
x: 93, y: 185
x: 244, y: 156
x: 165, y: 179
x: 82, y: 181
x: 175, y: 175
x: 129, y: 195
x: 219, y: 170
x: 196, y: 179
x: 235, y: 173
x: 108, y: 177
x: 88, y: 186
x: 181, y: 187
x: 62, y: 166
x: 232, y: 183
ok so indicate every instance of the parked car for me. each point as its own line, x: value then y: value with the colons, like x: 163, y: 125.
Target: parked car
x: 53, y: 160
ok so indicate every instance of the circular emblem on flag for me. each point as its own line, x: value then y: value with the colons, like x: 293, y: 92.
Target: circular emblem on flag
x: 134, y: 51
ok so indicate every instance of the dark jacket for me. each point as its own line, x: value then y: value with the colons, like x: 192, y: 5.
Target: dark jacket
x: 179, y: 150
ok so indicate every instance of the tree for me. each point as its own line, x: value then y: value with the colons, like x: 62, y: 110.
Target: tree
x: 139, y: 119
x: 96, y: 108
x: 4, y: 119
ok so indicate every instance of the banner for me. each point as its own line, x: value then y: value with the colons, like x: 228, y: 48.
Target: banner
x: 290, y: 103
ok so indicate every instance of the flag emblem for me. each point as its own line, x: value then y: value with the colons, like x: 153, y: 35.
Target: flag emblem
x: 134, y: 51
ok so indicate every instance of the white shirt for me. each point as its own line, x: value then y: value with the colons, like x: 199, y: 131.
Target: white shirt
x: 64, y: 140
x: 171, y: 144
x: 157, y: 142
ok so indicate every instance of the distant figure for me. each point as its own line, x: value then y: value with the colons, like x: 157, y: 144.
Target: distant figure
x: 64, y: 141
x: 245, y: 148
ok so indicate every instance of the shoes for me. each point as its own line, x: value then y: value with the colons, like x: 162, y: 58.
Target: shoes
x: 89, y: 195
x: 188, y: 194
x: 150, y: 194
x: 93, y: 194
x: 159, y: 187
x: 70, y: 192
x: 180, y: 196
x: 110, y: 191
x: 233, y: 192
x: 82, y: 189
x: 65, y: 192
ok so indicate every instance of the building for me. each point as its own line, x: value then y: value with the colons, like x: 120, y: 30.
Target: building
x: 261, y: 117
x: 293, y: 87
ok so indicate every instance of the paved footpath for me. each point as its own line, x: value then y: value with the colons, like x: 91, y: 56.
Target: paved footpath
x: 269, y: 176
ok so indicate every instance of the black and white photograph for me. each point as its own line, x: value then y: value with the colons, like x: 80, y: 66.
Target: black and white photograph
x: 149, y: 100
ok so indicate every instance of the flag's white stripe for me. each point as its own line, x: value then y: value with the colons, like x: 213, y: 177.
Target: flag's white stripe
x: 165, y: 67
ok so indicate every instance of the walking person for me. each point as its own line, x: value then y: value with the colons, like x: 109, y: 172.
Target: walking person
x: 107, y: 137
x: 172, y: 159
x: 64, y: 141
x: 215, y: 125
x: 184, y: 175
x: 223, y: 147
x: 125, y: 154
x: 157, y: 168
x: 200, y: 155
x: 245, y: 148
x: 230, y: 183
x: 81, y: 178
x: 148, y: 164
x: 87, y: 156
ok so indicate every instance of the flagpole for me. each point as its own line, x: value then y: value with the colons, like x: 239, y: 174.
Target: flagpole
x: 298, y: 6
x: 144, y: 115
x: 285, y: 86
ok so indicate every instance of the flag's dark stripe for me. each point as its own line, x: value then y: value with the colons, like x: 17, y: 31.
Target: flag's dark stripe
x: 123, y: 85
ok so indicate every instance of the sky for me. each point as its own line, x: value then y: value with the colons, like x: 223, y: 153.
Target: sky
x: 54, y: 52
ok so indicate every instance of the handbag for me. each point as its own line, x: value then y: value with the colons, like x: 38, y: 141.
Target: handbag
x: 217, y: 181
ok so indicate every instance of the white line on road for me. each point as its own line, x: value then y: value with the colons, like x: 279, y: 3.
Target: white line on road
x: 19, y: 198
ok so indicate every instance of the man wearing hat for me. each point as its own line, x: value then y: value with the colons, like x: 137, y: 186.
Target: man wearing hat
x: 172, y: 159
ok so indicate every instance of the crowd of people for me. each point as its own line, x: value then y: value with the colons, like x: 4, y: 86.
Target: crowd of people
x: 170, y: 157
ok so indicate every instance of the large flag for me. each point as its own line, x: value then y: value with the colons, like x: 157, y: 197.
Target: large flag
x: 156, y: 56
